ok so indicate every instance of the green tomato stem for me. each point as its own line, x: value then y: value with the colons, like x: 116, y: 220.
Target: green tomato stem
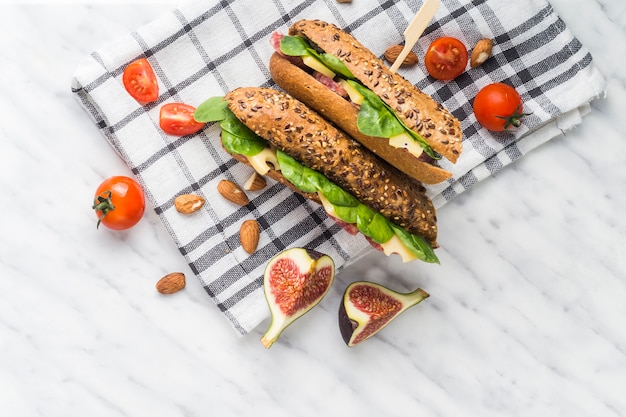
x: 103, y: 205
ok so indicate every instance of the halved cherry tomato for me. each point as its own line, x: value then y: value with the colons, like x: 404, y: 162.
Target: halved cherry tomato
x: 140, y: 81
x: 177, y: 119
x: 498, y: 107
x: 446, y: 58
x: 119, y: 203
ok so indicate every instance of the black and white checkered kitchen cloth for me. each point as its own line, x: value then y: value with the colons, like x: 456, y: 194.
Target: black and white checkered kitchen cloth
x: 206, y: 48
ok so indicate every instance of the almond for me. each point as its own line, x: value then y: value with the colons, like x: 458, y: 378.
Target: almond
x: 481, y: 52
x: 249, y: 233
x: 232, y: 192
x: 393, y: 52
x: 188, y: 203
x: 171, y: 283
x: 256, y: 182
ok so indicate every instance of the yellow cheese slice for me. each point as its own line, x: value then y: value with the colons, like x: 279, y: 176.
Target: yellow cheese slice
x: 264, y: 161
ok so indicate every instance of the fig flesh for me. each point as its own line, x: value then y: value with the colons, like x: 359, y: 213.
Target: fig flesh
x: 367, y: 308
x: 295, y: 280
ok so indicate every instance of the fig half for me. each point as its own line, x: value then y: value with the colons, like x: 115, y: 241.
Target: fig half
x: 295, y: 280
x: 368, y: 307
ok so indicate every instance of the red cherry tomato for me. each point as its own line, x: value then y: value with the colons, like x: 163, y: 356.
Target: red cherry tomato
x: 498, y: 107
x: 140, y: 81
x: 177, y: 119
x: 119, y: 203
x: 446, y: 58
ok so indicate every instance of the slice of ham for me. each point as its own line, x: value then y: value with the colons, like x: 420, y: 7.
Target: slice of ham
x: 331, y: 84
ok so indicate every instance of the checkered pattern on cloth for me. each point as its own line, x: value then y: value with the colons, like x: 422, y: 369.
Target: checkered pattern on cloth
x: 207, y: 48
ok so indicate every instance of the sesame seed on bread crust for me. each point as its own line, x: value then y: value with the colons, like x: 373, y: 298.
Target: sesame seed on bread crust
x: 291, y: 126
x: 417, y: 110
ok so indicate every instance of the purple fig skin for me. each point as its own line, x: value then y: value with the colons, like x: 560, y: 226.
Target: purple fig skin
x: 313, y: 254
x: 347, y: 326
x: 295, y: 280
x: 372, y: 309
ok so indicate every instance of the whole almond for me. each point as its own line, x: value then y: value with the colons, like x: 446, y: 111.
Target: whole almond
x: 256, y: 182
x: 481, y: 52
x: 232, y: 192
x: 249, y: 233
x: 188, y: 203
x: 393, y: 52
x: 171, y: 283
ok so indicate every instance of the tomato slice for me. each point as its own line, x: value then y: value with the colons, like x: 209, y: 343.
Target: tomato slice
x: 140, y: 81
x: 446, y: 58
x: 177, y: 119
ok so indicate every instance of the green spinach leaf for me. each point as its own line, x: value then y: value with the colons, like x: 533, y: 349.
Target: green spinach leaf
x: 416, y: 244
x: 338, y: 196
x: 238, y: 138
x: 336, y: 65
x: 297, y: 46
x: 374, y: 225
x: 211, y: 110
x: 294, y: 46
x: 376, y: 118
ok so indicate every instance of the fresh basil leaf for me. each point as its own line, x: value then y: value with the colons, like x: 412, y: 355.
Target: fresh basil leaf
x: 211, y: 110
x: 338, y: 196
x: 294, y: 46
x: 416, y: 244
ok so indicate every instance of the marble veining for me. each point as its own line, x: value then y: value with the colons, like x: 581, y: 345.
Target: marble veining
x: 525, y: 318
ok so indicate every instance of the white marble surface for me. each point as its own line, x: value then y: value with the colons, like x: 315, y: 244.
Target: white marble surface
x: 526, y: 315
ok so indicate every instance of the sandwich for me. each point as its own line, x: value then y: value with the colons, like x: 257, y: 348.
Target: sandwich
x: 282, y: 138
x: 334, y: 74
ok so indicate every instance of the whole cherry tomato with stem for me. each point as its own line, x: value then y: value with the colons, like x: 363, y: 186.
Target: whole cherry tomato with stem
x: 446, y: 58
x: 119, y: 203
x: 498, y: 107
x: 140, y: 81
x: 177, y: 119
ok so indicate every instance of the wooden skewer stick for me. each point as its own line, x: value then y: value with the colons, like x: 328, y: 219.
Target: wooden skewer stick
x: 415, y: 29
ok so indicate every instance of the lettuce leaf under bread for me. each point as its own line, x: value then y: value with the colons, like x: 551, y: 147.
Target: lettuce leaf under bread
x: 236, y: 137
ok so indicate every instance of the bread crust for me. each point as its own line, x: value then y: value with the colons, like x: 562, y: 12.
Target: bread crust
x: 342, y: 113
x: 417, y: 110
x: 291, y: 126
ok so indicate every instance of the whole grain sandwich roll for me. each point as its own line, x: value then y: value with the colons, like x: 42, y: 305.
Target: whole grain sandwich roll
x: 333, y: 73
x: 283, y: 138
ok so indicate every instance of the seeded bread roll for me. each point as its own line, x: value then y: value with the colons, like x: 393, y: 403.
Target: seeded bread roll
x: 416, y: 109
x: 291, y: 126
x: 340, y: 111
